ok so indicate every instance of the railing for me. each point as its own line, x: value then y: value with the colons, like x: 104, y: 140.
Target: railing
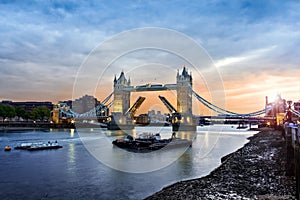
x: 292, y: 138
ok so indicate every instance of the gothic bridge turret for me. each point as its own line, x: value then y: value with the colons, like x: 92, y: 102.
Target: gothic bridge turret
x: 182, y: 117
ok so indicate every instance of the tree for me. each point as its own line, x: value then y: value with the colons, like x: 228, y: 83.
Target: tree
x: 7, y: 111
x: 20, y: 112
x: 41, y: 112
x: 2, y: 111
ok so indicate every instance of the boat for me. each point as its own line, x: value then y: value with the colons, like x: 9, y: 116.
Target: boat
x: 242, y: 126
x: 150, y: 142
x: 39, y: 146
x: 26, y: 145
x: 44, y: 146
x: 7, y: 148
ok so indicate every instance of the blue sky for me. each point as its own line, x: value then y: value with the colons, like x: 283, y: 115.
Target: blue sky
x: 254, y: 44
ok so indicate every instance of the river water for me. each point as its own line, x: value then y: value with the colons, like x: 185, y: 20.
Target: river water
x: 89, y: 167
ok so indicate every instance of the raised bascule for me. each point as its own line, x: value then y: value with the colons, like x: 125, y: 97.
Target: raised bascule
x: 182, y: 117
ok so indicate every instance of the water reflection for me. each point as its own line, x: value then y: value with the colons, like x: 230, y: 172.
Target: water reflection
x: 185, y: 164
x: 206, y: 139
x: 102, y: 149
x: 189, y: 135
x: 71, y: 157
x: 72, y: 169
x: 72, y: 133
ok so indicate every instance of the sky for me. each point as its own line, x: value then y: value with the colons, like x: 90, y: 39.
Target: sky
x: 254, y: 45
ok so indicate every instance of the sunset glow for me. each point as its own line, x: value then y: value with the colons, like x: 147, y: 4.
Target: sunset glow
x: 254, y: 46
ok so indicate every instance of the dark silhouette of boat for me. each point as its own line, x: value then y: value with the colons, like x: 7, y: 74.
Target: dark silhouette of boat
x: 150, y: 142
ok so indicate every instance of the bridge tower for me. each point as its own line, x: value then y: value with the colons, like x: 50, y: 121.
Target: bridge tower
x: 184, y: 119
x: 118, y: 119
x: 121, y: 97
x: 184, y: 92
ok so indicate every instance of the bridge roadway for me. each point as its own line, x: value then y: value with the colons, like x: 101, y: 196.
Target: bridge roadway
x: 103, y: 119
x: 150, y: 87
x: 240, y: 117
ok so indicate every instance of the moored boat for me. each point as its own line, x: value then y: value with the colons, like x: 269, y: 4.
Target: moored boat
x: 26, y: 145
x: 39, y: 146
x: 150, y: 142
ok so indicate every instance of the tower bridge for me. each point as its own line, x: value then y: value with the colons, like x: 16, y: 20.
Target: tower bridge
x: 182, y: 117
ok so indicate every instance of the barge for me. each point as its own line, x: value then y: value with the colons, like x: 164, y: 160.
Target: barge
x: 150, y: 142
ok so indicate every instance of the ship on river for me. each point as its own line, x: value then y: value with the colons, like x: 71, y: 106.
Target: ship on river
x: 38, y: 146
x: 147, y: 142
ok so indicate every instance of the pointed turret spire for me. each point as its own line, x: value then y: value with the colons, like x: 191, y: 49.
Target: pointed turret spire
x: 184, y: 72
x: 122, y: 73
x: 129, y: 81
x: 121, y: 80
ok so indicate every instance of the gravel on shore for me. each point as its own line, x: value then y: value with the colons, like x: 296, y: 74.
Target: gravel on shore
x: 255, y: 171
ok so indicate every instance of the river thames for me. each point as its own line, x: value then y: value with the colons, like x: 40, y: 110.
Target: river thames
x: 76, y: 171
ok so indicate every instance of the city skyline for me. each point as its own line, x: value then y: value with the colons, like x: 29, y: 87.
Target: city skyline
x: 253, y: 44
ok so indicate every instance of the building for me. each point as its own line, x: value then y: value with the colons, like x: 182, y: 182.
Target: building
x: 297, y: 109
x: 84, y: 104
x: 67, y: 103
x: 156, y: 117
x: 297, y: 106
x: 142, y: 119
x: 277, y: 107
x: 29, y: 105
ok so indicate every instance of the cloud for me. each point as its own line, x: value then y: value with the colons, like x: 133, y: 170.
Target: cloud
x: 50, y: 39
x: 249, y: 94
x: 244, y: 57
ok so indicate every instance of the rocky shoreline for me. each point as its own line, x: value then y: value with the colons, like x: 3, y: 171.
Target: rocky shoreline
x: 255, y: 171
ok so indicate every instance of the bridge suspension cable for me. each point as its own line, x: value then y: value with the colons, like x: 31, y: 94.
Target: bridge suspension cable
x: 91, y: 113
x: 212, y: 106
x: 107, y: 98
x: 295, y: 112
x: 226, y: 112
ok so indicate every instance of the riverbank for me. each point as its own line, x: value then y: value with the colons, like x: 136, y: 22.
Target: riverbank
x: 21, y: 129
x: 255, y: 171
x: 31, y: 126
